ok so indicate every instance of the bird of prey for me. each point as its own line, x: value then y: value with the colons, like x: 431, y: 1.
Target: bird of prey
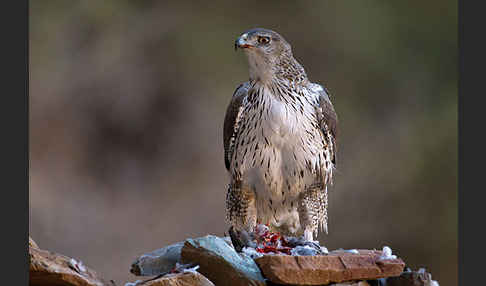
x: 279, y: 142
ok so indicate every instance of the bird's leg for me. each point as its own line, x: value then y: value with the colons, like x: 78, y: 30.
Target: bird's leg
x: 313, y: 210
x: 308, y: 234
x: 241, y: 214
x: 241, y: 239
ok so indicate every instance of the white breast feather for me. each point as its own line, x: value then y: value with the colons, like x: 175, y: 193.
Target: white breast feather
x: 288, y: 132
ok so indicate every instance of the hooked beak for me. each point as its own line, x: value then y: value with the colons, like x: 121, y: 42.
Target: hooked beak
x: 242, y: 43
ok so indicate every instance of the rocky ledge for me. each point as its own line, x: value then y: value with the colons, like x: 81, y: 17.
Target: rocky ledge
x: 212, y: 260
x: 223, y: 265
x: 337, y: 266
x: 49, y: 268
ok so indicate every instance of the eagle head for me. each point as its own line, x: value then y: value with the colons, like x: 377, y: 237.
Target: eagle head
x: 269, y: 56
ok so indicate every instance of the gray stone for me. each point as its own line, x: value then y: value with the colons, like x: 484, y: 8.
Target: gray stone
x: 157, y: 262
x: 220, y: 262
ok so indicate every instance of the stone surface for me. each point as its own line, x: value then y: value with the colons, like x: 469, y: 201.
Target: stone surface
x: 162, y: 260
x: 338, y: 266
x: 49, y: 268
x: 411, y: 278
x: 158, y: 261
x: 179, y: 279
x: 220, y: 263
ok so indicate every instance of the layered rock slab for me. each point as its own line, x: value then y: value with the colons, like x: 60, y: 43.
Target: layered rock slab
x: 160, y: 261
x: 220, y: 263
x: 49, y: 268
x: 338, y: 266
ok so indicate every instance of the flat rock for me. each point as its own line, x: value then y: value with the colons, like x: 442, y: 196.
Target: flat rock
x: 49, y: 268
x: 220, y: 263
x: 179, y: 279
x: 161, y: 261
x: 158, y: 261
x: 337, y: 267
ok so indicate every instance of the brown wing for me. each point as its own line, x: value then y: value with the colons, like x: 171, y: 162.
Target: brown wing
x: 231, y: 120
x: 328, y: 119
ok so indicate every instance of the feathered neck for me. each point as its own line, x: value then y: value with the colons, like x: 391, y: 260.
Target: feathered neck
x: 288, y: 68
x: 286, y: 83
x: 284, y: 69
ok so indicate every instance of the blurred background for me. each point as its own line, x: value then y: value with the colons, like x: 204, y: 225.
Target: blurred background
x: 127, y: 100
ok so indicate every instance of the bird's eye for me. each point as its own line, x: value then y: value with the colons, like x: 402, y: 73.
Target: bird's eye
x: 263, y: 40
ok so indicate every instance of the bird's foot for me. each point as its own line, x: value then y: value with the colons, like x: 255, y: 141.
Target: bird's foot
x: 309, y: 247
x: 241, y: 239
